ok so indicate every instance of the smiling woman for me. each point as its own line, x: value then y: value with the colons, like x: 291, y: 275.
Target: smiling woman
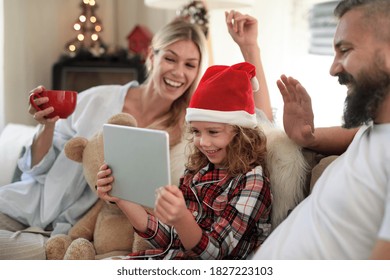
x: 154, y: 104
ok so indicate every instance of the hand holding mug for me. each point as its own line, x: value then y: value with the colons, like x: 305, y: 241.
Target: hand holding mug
x: 49, y: 105
x: 40, y: 115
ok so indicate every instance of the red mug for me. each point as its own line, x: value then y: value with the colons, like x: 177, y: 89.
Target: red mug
x: 63, y: 102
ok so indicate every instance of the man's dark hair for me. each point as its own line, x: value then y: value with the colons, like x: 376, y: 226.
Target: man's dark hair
x: 371, y: 7
x: 376, y: 14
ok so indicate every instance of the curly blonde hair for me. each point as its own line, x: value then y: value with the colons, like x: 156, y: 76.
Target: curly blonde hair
x: 246, y: 151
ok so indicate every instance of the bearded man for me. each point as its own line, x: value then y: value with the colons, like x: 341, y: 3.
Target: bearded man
x: 347, y: 216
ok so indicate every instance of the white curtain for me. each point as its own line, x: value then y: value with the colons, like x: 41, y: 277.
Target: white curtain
x: 322, y: 24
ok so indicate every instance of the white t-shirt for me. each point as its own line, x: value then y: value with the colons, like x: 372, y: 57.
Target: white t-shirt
x: 348, y: 210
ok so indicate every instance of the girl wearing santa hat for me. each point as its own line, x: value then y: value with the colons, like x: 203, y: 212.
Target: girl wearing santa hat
x: 222, y: 207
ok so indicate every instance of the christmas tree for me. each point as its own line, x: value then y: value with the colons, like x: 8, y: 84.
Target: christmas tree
x: 88, y: 28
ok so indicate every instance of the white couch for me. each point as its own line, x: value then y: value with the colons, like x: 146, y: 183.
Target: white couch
x: 290, y: 168
x: 12, y: 139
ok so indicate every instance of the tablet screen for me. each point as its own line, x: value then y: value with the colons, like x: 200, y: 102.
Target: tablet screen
x: 139, y: 160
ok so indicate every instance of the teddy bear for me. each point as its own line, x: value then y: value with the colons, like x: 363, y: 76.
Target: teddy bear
x: 104, y: 231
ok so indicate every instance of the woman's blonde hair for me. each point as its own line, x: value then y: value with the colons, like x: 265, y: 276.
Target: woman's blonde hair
x: 177, y: 30
x: 246, y: 151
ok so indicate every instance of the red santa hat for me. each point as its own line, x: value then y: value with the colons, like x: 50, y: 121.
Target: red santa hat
x: 225, y: 95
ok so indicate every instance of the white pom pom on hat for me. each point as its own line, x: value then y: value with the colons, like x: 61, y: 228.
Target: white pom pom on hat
x: 225, y: 95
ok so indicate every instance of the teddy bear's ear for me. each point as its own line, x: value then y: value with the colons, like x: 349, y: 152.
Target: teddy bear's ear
x: 74, y: 148
x: 123, y: 119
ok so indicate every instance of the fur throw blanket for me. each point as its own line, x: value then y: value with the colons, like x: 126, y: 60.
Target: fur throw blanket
x: 288, y: 170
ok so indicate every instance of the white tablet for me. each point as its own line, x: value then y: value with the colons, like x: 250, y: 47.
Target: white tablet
x: 139, y: 160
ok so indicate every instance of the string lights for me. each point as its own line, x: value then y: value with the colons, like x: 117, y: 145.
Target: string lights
x: 88, y: 28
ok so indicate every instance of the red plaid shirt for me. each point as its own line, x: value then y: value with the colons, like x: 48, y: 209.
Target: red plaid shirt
x: 233, y: 212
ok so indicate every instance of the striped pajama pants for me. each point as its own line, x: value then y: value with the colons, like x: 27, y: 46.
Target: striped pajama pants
x: 18, y: 243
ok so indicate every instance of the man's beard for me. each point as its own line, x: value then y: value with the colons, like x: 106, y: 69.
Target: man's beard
x: 366, y: 94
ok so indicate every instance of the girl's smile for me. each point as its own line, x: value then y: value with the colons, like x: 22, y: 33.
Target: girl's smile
x: 212, y: 140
